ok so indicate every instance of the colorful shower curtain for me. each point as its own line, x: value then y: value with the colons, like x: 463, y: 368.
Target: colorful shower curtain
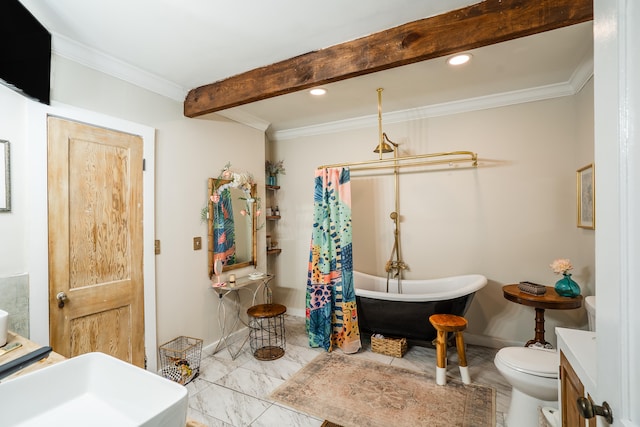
x: 332, y: 319
x: 224, y: 240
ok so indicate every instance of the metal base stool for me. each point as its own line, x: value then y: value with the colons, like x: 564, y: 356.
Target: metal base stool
x: 266, y: 331
x: 444, y: 323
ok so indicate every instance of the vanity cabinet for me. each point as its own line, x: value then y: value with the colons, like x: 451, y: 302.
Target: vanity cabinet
x: 571, y: 389
x: 578, y: 368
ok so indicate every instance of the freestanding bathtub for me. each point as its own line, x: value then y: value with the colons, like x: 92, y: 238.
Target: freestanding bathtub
x: 407, y: 314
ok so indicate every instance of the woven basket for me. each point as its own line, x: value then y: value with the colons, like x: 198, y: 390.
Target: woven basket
x: 395, y: 347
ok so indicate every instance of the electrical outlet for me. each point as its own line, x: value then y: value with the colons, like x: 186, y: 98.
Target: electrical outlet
x: 157, y: 246
x: 197, y: 243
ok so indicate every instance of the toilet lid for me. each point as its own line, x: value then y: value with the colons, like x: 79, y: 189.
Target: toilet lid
x: 532, y: 361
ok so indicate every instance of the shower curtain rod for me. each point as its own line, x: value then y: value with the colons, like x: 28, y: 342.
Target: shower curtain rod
x: 410, y: 161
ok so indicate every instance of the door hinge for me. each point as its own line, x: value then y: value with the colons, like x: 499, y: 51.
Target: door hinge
x: 144, y: 165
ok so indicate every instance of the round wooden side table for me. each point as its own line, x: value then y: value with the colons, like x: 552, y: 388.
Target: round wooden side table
x: 550, y: 300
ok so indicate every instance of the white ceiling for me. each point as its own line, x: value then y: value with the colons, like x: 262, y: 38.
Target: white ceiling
x: 172, y: 46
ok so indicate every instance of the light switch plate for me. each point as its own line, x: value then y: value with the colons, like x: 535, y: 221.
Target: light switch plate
x: 197, y: 243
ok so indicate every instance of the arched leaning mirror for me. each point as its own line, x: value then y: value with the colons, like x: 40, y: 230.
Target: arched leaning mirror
x: 232, y: 217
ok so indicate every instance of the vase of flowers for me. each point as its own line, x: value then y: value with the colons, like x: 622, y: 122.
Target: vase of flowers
x: 273, y: 169
x: 565, y: 287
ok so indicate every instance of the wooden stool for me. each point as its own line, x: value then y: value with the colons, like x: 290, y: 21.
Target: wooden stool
x: 444, y: 323
x: 266, y: 331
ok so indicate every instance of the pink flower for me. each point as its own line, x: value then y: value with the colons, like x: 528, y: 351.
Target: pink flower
x: 215, y: 198
x: 243, y: 212
x: 258, y: 212
x: 561, y: 266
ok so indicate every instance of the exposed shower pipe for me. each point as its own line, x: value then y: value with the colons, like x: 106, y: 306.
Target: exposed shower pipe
x: 395, y: 260
x: 385, y: 145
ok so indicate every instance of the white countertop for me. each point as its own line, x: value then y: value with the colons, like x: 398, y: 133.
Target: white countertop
x: 579, y: 347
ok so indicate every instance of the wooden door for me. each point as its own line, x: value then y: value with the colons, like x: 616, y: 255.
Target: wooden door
x: 95, y: 241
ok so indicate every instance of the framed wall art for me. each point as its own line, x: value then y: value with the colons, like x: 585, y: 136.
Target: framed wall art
x: 585, y: 183
x: 5, y: 177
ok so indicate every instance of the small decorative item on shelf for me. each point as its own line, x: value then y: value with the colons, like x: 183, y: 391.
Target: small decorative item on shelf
x: 273, y: 169
x: 566, y: 286
x: 532, y: 288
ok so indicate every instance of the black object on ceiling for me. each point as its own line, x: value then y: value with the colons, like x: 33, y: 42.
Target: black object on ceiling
x: 25, y: 52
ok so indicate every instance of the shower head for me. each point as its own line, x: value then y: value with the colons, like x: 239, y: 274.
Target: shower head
x: 383, y: 147
x: 386, y: 145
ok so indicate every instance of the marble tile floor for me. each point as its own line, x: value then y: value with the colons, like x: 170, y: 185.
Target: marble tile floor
x: 236, y: 392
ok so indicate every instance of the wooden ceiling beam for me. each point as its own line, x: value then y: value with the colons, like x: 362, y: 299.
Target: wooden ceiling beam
x: 482, y: 24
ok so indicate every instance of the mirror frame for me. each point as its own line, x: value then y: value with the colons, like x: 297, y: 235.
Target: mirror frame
x: 213, y: 185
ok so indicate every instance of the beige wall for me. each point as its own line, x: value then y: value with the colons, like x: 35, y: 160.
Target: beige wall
x: 187, y: 152
x: 508, y: 219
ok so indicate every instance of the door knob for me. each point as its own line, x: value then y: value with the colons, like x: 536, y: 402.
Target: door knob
x: 61, y: 297
x: 588, y: 410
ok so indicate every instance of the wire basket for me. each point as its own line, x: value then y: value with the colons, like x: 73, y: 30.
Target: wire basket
x: 180, y: 359
x: 395, y: 347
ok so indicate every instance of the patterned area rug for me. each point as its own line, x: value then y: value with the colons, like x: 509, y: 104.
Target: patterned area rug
x: 354, y: 392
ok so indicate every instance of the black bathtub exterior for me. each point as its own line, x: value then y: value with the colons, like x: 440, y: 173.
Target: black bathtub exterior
x: 404, y: 318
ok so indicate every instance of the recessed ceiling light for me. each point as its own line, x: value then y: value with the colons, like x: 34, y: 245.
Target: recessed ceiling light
x: 318, y: 91
x: 459, y: 59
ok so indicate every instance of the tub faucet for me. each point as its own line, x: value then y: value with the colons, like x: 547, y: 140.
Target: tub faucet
x: 395, y: 265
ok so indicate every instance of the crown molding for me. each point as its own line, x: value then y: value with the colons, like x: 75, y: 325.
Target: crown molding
x: 77, y: 52
x: 82, y: 54
x: 582, y: 75
x: 577, y: 81
x: 241, y: 116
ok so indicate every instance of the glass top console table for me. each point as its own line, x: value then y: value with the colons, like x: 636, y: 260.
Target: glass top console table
x: 230, y: 308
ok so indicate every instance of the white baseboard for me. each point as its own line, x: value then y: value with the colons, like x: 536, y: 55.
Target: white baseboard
x: 298, y: 312
x: 490, y: 342
x: 473, y: 339
x: 233, y: 338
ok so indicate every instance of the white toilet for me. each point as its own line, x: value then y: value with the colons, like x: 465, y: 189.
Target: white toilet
x: 533, y: 375
x: 590, y: 306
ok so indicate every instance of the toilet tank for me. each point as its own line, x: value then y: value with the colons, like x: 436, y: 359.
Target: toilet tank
x: 590, y: 306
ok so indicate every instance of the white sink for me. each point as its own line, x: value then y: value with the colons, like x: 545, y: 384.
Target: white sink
x: 93, y: 389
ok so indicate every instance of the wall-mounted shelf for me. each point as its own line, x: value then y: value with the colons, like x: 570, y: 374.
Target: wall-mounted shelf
x: 271, y: 200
